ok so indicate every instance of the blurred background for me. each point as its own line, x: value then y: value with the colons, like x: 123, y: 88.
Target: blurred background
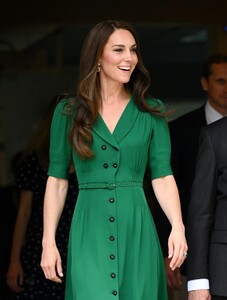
x: 40, y: 43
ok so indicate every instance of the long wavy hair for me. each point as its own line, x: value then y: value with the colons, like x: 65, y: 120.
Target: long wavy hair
x: 88, y: 96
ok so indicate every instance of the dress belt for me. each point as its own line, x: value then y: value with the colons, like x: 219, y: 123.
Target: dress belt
x: 109, y: 185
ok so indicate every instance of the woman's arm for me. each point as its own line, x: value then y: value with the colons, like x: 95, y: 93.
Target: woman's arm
x: 55, y: 195
x: 166, y: 192
x: 14, y: 274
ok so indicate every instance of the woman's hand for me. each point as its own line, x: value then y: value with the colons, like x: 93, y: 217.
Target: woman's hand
x: 51, y: 263
x: 15, y: 276
x: 54, y: 200
x: 177, y: 246
x: 166, y: 192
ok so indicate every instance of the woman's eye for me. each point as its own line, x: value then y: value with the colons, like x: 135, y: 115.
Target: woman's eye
x: 118, y: 49
x: 134, y: 50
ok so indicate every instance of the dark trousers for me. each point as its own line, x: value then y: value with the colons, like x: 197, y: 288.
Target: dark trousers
x: 218, y: 298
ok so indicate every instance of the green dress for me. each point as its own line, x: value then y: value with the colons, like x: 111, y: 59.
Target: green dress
x: 114, y: 252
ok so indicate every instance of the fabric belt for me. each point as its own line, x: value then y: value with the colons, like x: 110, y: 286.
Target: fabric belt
x: 109, y: 185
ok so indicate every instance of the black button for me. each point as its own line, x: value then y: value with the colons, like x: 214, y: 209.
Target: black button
x: 111, y: 200
x: 105, y: 165
x: 103, y: 147
x: 114, y: 293
x: 111, y: 219
x: 112, y: 238
x: 113, y: 275
x: 112, y: 256
x: 115, y: 165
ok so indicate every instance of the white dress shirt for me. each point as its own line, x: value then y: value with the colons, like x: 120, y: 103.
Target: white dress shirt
x: 211, y: 114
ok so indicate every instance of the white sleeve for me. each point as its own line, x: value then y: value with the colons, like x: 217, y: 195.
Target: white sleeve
x: 198, y: 284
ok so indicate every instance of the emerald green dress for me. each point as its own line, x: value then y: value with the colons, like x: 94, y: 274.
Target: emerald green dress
x: 114, y: 252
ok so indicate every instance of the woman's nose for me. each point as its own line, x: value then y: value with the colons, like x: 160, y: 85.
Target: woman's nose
x: 128, y: 56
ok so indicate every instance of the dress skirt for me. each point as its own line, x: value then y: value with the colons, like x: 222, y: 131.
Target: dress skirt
x: 114, y: 252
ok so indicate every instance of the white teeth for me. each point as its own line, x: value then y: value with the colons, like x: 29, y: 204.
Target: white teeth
x: 124, y: 68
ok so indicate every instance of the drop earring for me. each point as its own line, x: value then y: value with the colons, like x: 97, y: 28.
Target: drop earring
x: 98, y: 67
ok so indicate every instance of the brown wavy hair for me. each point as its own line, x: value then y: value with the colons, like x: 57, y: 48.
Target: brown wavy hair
x: 88, y: 96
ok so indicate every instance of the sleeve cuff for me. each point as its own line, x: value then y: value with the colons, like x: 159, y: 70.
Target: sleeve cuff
x: 198, y: 284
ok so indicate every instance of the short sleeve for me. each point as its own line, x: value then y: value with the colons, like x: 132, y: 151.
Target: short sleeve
x: 160, y: 147
x: 60, y: 148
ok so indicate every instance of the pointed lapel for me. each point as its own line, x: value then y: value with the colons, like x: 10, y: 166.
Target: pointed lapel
x: 126, y: 121
x: 102, y: 131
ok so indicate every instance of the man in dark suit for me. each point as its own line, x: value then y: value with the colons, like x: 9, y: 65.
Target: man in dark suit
x: 207, y: 217
x: 184, y: 133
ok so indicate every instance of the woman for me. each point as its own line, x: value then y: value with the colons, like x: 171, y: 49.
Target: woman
x: 24, y: 275
x: 115, y: 130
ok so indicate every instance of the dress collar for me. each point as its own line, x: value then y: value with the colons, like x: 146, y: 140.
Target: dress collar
x: 124, y: 125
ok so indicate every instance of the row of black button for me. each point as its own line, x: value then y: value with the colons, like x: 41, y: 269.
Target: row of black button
x: 112, y: 238
x: 105, y: 165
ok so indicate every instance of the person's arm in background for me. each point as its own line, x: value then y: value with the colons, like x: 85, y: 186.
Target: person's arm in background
x: 166, y: 192
x: 173, y: 277
x: 55, y: 195
x: 14, y: 274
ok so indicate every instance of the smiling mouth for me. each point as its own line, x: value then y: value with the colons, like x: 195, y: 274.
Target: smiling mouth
x: 124, y: 68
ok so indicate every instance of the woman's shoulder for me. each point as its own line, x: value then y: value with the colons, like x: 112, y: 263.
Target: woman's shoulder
x: 156, y: 104
x: 66, y: 105
x: 156, y: 108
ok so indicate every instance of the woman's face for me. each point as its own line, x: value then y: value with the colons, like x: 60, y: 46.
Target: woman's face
x: 119, y: 57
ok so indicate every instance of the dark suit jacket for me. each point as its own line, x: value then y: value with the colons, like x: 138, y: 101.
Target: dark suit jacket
x: 207, y: 215
x: 184, y: 134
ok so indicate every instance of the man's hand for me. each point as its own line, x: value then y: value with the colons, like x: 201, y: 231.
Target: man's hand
x: 199, y: 295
